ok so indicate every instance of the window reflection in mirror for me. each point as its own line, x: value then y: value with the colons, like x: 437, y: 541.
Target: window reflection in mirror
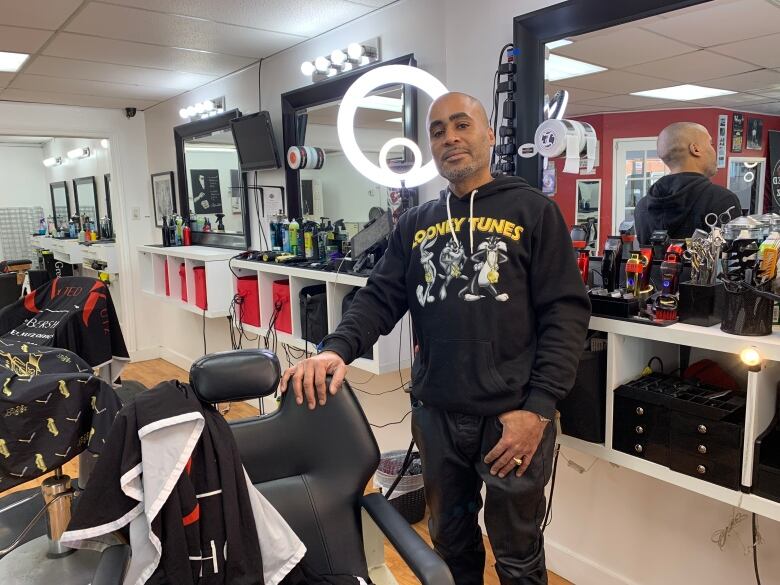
x: 214, y: 182
x: 701, y: 46
x: 338, y: 190
x: 60, y: 202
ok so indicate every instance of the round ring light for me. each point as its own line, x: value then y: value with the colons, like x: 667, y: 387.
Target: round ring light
x: 363, y: 86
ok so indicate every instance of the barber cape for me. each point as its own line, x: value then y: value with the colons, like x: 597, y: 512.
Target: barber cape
x: 73, y: 313
x: 171, y: 472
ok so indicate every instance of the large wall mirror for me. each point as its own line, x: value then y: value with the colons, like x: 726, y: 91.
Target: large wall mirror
x: 337, y: 190
x: 60, y: 203
x: 86, y: 197
x: 608, y: 55
x: 212, y: 191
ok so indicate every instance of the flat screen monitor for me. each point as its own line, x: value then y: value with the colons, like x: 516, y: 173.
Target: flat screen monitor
x: 371, y: 234
x: 255, y: 142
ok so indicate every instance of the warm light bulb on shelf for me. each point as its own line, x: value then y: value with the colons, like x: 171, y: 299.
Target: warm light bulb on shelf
x: 751, y: 358
x: 322, y: 64
x: 355, y: 51
x: 338, y: 57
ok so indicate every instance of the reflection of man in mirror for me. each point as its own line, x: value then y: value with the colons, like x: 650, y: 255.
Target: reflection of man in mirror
x: 679, y: 202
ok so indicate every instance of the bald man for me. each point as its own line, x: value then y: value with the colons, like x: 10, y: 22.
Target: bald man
x: 500, y: 316
x: 679, y: 202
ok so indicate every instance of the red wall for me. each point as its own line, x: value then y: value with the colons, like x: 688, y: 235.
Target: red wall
x: 642, y: 125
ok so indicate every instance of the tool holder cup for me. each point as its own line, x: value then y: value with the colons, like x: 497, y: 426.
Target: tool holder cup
x: 748, y: 309
x: 701, y: 304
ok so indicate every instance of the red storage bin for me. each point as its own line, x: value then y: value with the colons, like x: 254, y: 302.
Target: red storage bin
x: 283, y: 321
x: 249, y: 313
x: 167, y: 282
x: 183, y: 278
x: 200, y: 287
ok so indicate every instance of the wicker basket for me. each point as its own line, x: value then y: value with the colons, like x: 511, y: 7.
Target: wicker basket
x: 409, y: 495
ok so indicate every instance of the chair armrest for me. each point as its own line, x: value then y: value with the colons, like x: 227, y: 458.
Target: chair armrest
x: 428, y: 566
x: 112, y: 565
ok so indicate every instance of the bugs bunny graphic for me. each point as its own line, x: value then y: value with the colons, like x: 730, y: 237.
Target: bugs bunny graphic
x: 429, y: 268
x: 451, y: 259
x: 489, y: 255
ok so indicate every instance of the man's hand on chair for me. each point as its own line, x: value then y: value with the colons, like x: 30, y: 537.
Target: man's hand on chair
x: 309, y: 375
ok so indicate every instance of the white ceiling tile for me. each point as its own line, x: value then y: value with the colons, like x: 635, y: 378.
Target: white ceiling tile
x: 89, y: 70
x: 46, y: 14
x: 747, y: 82
x: 575, y: 95
x: 721, y: 23
x: 132, y: 24
x: 627, y: 102
x: 74, y: 46
x: 297, y: 17
x: 734, y: 100
x: 43, y: 97
x: 693, y: 67
x: 615, y: 82
x: 22, y: 40
x: 585, y: 110
x: 772, y: 108
x: 95, y: 88
x: 761, y: 51
x: 5, y: 78
x: 767, y: 93
x: 615, y: 50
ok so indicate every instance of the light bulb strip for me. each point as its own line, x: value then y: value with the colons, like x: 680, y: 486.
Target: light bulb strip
x: 341, y: 60
x: 203, y: 109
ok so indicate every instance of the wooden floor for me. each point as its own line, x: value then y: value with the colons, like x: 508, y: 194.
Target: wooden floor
x: 152, y: 372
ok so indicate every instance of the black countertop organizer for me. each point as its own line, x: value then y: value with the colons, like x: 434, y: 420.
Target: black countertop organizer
x: 693, y: 428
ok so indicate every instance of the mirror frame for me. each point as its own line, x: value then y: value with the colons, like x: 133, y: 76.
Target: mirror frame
x: 323, y: 92
x: 107, y: 189
x: 533, y: 30
x: 52, y: 186
x: 197, y: 129
x: 86, y: 181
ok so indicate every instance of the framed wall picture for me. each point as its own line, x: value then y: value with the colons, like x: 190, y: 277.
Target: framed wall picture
x: 206, y: 191
x: 737, y: 132
x: 755, y: 134
x: 163, y: 196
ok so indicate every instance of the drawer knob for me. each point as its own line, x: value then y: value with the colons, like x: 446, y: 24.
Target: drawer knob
x: 640, y: 411
x: 639, y: 430
x: 702, y: 449
x: 702, y: 429
x: 701, y: 469
x: 638, y: 448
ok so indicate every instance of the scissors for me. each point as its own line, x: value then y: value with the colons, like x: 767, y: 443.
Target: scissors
x: 714, y: 220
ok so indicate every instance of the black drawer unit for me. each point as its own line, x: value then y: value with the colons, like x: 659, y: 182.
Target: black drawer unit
x: 692, y: 428
x: 766, y: 470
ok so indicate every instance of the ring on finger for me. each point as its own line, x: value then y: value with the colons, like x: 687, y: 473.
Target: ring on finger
x: 518, y: 461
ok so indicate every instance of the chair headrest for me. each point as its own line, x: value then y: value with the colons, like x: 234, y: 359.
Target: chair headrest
x: 230, y: 376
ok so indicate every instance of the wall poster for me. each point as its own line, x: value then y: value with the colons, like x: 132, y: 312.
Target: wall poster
x: 206, y: 193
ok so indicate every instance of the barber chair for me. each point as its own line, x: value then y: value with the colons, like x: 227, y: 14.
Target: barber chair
x: 10, y: 290
x: 313, y: 466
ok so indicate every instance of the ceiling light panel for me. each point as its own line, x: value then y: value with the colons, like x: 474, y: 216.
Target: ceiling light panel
x: 685, y: 92
x: 558, y: 67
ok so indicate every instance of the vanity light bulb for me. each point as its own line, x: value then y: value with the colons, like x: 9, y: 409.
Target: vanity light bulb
x: 338, y: 57
x: 322, y: 64
x: 346, y: 66
x: 308, y: 68
x: 750, y: 357
x: 78, y: 153
x: 50, y: 162
x: 104, y: 142
x: 364, y: 60
x: 191, y: 111
x: 355, y: 51
x: 332, y: 72
x: 183, y: 113
x: 200, y: 108
x: 208, y: 105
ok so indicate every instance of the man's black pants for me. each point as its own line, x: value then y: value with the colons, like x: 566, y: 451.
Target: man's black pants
x: 452, y: 448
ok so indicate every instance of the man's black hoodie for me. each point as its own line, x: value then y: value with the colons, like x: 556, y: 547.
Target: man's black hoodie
x: 498, y: 307
x: 679, y: 203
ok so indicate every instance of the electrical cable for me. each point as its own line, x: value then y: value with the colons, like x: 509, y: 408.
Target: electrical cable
x: 204, y: 332
x: 755, y: 549
x: 390, y: 424
x: 548, y: 513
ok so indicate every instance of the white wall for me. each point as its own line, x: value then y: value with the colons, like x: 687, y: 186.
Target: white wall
x: 24, y: 180
x: 130, y: 190
x: 610, y: 525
